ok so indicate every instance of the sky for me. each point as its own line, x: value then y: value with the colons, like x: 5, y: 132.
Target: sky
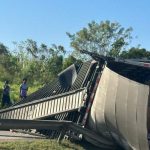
x: 47, y: 21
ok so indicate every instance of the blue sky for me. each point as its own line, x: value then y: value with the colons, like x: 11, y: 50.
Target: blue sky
x: 47, y: 21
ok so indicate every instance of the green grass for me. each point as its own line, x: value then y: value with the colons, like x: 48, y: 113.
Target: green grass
x: 39, y: 145
x: 14, y: 92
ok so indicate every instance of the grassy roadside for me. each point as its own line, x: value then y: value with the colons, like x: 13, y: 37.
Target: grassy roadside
x: 39, y: 145
x: 14, y: 91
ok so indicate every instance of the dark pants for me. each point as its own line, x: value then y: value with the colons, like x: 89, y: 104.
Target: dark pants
x: 6, y: 100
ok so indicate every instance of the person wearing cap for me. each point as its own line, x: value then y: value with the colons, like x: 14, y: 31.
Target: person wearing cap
x: 23, y: 89
x: 6, y: 95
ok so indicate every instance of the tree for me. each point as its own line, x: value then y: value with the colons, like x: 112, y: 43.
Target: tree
x: 104, y: 38
x: 39, y: 64
x: 5, y: 63
x: 69, y: 61
x: 3, y: 49
x: 135, y: 53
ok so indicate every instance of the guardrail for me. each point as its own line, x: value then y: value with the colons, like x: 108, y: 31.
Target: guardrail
x: 62, y: 126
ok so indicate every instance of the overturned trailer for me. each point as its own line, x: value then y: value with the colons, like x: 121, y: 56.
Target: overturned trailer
x: 105, y: 100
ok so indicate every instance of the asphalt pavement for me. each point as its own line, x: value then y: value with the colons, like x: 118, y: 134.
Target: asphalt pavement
x: 10, y: 135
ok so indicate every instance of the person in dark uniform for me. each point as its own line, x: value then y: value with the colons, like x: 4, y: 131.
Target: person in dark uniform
x: 6, y: 95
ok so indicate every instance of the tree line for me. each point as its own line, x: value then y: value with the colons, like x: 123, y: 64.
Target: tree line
x: 40, y: 64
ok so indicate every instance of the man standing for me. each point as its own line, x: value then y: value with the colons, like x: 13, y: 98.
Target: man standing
x: 23, y: 89
x: 6, y: 95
